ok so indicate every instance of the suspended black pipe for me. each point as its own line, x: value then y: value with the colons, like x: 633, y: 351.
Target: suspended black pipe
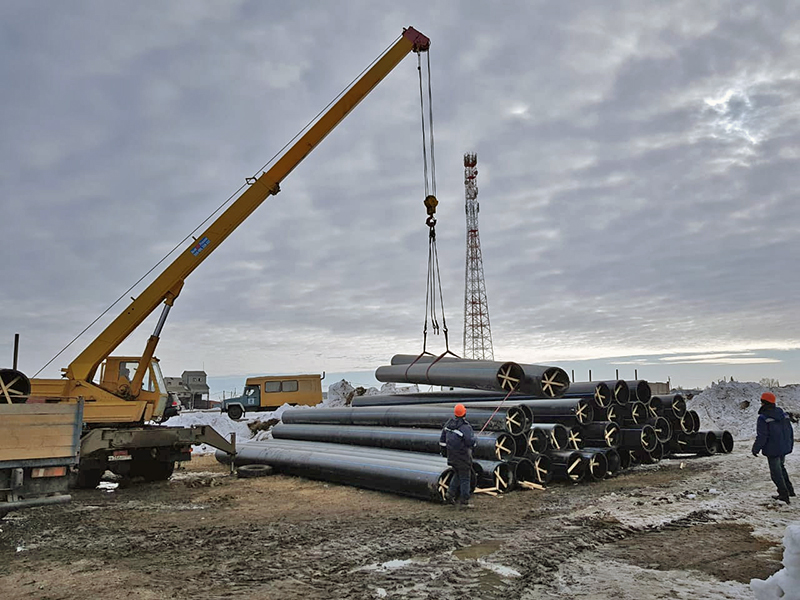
x: 568, y: 465
x: 558, y: 435
x: 597, y: 390
x: 633, y: 413
x: 669, y: 405
x: 596, y: 464
x: 490, y: 445
x: 460, y: 397
x: 418, y: 480
x: 508, y: 418
x: 537, y: 380
x: 494, y: 474
x: 638, y: 436
x: 662, y: 428
x: 601, y: 434
x: 724, y: 441
x: 639, y: 390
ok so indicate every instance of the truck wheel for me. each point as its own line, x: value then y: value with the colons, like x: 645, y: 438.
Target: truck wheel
x: 88, y: 479
x: 235, y: 412
x: 154, y: 470
x: 254, y: 471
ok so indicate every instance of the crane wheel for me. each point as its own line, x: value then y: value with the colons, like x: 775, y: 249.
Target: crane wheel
x: 235, y: 412
x: 87, y: 479
x: 254, y: 471
x: 153, y: 470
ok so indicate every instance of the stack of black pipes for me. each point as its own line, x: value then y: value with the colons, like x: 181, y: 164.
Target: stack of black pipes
x: 532, y: 426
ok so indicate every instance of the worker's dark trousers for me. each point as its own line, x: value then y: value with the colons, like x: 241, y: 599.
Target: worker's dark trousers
x: 777, y: 470
x: 461, y: 484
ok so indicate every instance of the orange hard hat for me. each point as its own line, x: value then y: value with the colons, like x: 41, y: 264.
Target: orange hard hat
x: 460, y: 410
x: 768, y: 397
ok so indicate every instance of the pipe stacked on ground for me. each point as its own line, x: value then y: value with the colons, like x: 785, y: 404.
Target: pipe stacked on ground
x: 724, y: 441
x: 640, y: 390
x: 427, y: 477
x: 509, y: 418
x: 601, y: 434
x: 568, y: 465
x: 490, y: 445
x: 598, y: 391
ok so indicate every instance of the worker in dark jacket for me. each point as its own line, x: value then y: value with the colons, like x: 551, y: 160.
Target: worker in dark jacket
x: 456, y: 443
x: 775, y: 439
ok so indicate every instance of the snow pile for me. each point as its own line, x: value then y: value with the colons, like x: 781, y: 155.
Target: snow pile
x: 734, y: 405
x: 342, y: 393
x: 785, y: 584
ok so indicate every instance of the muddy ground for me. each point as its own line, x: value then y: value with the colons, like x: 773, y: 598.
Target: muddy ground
x: 696, y: 528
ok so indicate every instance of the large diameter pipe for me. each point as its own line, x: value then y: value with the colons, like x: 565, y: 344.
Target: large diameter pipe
x: 724, y: 441
x: 601, y: 434
x: 538, y: 440
x: 640, y: 390
x: 567, y: 411
x: 598, y: 391
x: 418, y: 480
x: 494, y: 474
x: 460, y: 397
x: 491, y: 406
x: 695, y: 420
x: 596, y: 464
x: 541, y: 469
x: 634, y: 413
x: 653, y: 456
x: 662, y: 428
x: 701, y: 442
x: 612, y: 413
x: 568, y: 465
x: 558, y: 435
x: 510, y: 418
x: 575, y: 439
x: 480, y: 375
x: 638, y: 436
x: 628, y: 458
x: 669, y: 405
x: 538, y: 380
x: 620, y: 391
x: 612, y: 459
x: 15, y: 387
x: 489, y: 445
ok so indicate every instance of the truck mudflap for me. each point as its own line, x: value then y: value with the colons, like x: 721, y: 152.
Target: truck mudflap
x: 104, y: 440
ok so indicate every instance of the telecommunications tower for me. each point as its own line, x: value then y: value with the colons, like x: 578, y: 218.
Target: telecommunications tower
x: 477, y: 332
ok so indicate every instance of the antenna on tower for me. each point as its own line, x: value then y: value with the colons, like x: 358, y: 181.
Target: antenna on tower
x: 477, y: 332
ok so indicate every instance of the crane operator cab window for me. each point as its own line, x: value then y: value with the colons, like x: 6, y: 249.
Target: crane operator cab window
x: 128, y: 369
x: 251, y: 395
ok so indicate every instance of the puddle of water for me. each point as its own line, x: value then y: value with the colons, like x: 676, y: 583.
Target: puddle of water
x: 477, y: 551
x: 387, y: 566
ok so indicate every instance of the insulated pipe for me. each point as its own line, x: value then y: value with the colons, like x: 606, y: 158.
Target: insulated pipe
x: 596, y: 464
x: 634, y: 413
x: 724, y: 441
x: 662, y: 428
x: 538, y: 380
x: 508, y: 418
x: 558, y: 435
x: 568, y: 465
x: 638, y: 436
x: 538, y: 440
x: 639, y: 390
x: 489, y: 445
x: 429, y: 482
x: 495, y: 474
x: 601, y: 434
x: 598, y: 391
x: 670, y: 405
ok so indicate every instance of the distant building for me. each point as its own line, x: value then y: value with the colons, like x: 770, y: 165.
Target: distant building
x: 191, y: 389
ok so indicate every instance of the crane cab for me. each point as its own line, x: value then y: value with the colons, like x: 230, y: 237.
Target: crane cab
x: 117, y: 373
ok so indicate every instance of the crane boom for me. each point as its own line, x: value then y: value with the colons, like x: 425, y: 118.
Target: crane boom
x: 166, y: 287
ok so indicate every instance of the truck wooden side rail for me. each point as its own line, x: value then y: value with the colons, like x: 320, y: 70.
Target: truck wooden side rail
x: 39, y: 444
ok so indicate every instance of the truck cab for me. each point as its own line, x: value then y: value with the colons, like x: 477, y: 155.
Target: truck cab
x: 271, y: 392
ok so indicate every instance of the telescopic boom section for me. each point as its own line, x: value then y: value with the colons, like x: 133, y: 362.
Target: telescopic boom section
x: 168, y: 285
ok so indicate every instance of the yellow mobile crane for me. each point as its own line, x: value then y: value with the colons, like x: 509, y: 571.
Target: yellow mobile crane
x: 130, y: 391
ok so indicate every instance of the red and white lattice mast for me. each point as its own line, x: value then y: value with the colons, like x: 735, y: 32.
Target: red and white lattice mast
x: 477, y: 332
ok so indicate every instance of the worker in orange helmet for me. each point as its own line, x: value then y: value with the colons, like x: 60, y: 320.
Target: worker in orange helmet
x: 456, y: 443
x: 775, y: 439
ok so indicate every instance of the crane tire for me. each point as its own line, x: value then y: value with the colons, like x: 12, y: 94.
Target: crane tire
x: 254, y: 471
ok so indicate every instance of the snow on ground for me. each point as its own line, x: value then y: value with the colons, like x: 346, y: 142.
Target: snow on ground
x: 785, y: 584
x: 734, y: 405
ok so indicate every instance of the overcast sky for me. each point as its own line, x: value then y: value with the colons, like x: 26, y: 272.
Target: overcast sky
x: 638, y: 174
